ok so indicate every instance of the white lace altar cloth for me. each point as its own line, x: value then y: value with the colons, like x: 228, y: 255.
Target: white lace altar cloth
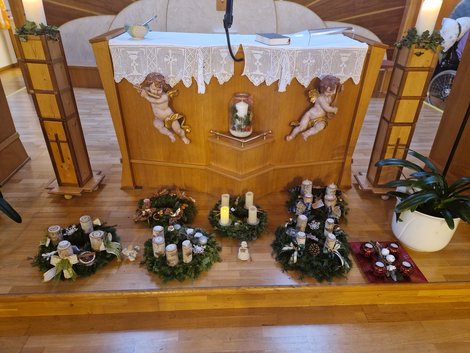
x: 187, y: 56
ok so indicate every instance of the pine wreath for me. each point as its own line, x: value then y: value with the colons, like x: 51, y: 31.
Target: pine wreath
x: 238, y: 228
x: 321, y: 213
x: 322, y: 265
x: 166, y: 208
x: 204, y: 256
x: 81, y: 241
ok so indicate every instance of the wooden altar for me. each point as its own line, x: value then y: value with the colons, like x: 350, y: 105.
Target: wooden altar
x: 216, y: 166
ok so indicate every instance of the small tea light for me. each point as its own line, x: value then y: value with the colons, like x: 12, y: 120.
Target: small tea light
x: 86, y: 223
x: 171, y: 255
x: 385, y: 252
x: 190, y: 231
x: 300, y: 237
x: 198, y: 235
x: 253, y: 216
x: 406, y: 268
x: 308, y: 198
x: 379, y: 268
x: 367, y: 249
x: 306, y: 187
x: 394, y: 248
x: 225, y: 200
x: 301, y: 222
x: 158, y: 246
x: 187, y: 248
x: 96, y: 239
x: 202, y: 240
x: 224, y: 216
x: 64, y: 249
x: 249, y: 200
x: 390, y: 259
x: 158, y: 231
x: 54, y: 234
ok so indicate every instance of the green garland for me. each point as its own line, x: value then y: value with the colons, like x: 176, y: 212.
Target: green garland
x: 203, y: 256
x: 82, y: 241
x: 321, y: 213
x: 166, y: 208
x: 31, y: 28
x: 238, y: 228
x: 312, y: 259
x: 426, y: 40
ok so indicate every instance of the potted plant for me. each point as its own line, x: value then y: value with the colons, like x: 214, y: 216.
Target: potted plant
x: 421, y: 46
x: 428, y: 209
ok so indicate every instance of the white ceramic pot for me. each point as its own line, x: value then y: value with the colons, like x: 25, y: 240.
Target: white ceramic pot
x: 421, y: 232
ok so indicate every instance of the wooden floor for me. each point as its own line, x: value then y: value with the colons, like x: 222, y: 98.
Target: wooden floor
x: 407, y: 326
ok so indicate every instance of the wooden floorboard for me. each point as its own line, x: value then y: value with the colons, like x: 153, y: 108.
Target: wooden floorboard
x: 432, y: 317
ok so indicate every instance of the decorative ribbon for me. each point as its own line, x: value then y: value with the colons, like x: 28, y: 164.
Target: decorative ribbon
x: 61, y: 265
x: 335, y: 252
x: 295, y: 254
x: 111, y: 247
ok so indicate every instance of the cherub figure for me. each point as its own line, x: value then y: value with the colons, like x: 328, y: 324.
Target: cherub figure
x: 316, y: 118
x: 158, y: 93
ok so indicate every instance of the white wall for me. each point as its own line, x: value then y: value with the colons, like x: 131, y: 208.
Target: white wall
x: 7, y: 54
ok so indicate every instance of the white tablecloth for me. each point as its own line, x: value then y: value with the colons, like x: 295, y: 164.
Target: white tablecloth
x: 184, y: 56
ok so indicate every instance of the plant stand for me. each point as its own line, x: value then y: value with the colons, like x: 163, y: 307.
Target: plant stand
x: 411, y: 74
x: 47, y: 79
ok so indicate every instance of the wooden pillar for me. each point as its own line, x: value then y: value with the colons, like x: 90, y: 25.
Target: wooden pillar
x: 410, y: 77
x: 44, y: 68
x: 17, y: 11
x: 12, y: 153
x: 452, y: 142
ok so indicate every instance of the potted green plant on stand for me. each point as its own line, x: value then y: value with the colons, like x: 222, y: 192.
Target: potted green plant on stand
x: 428, y: 209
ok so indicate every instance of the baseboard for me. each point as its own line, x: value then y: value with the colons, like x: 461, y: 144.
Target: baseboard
x: 85, y: 77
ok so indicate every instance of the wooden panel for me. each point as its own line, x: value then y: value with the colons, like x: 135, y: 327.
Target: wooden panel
x: 33, y: 49
x: 400, y: 110
x: 83, y: 167
x: 40, y: 76
x: 54, y: 128
x: 64, y: 163
x: 415, y: 83
x: 48, y: 106
x: 83, y: 76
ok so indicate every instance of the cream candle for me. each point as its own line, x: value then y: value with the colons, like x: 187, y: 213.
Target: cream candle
x: 253, y: 215
x: 86, y: 223
x: 34, y: 11
x: 306, y: 187
x: 54, y: 233
x: 300, y: 237
x: 301, y: 222
x: 96, y: 239
x: 224, y: 216
x: 187, y: 248
x: 242, y: 108
x: 427, y: 16
x: 171, y: 255
x: 64, y: 249
x: 225, y: 200
x: 158, y: 246
x: 158, y: 231
x: 249, y: 199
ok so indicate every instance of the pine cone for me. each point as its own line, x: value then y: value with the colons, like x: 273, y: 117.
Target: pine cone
x: 314, y: 249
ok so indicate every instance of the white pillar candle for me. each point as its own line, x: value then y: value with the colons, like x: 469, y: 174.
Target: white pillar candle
x: 306, y: 187
x: 171, y: 255
x: 64, y: 249
x: 86, y: 223
x: 158, y: 246
x: 54, y: 234
x: 248, y: 199
x: 34, y: 11
x: 187, y: 251
x: 330, y: 241
x: 427, y: 16
x: 300, y: 237
x: 224, y: 216
x: 96, y: 239
x: 301, y: 223
x: 242, y: 108
x: 253, y: 215
x: 330, y: 201
x: 225, y: 200
x: 329, y: 226
x: 331, y: 189
x: 158, y: 231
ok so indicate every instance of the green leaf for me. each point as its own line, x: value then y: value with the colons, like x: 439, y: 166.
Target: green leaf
x: 398, y: 194
x: 425, y: 160
x: 449, y: 218
x: 396, y: 162
x: 401, y: 182
x: 415, y: 200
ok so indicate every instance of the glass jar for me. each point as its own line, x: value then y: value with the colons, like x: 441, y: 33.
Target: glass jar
x: 241, y: 114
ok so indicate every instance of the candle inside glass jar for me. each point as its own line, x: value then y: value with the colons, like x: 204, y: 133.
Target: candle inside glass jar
x: 225, y: 200
x: 249, y: 199
x: 301, y: 222
x: 86, y: 223
x: 187, y: 249
x: 64, y: 249
x: 306, y: 187
x: 158, y: 231
x: 96, y: 240
x: 253, y: 215
x: 54, y: 233
x: 301, y: 238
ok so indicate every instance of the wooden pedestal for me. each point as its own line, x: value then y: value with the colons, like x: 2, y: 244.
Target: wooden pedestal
x: 405, y: 96
x: 44, y: 68
x: 12, y: 153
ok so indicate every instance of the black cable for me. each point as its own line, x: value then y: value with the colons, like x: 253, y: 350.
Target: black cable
x: 228, y: 20
x: 230, y: 47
